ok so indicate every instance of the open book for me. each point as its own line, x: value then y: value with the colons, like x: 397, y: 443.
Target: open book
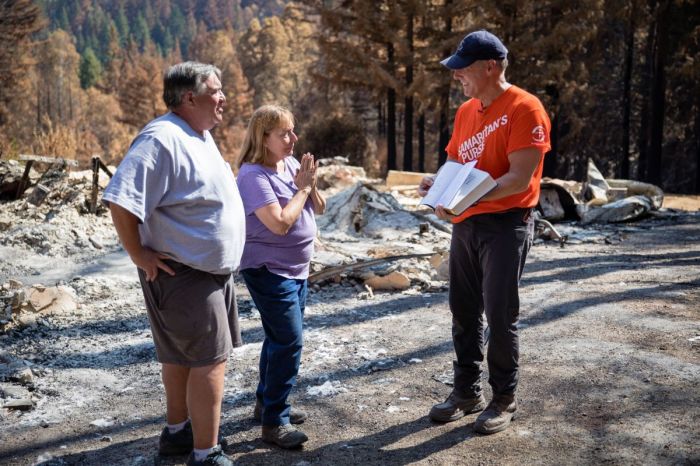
x: 457, y: 186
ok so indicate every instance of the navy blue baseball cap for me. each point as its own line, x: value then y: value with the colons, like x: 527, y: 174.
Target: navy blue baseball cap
x: 478, y: 45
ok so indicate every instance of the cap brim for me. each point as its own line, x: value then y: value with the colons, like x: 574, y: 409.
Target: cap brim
x: 455, y: 62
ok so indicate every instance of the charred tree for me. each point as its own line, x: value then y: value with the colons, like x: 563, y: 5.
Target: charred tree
x: 624, y: 171
x: 408, y: 101
x: 390, y: 117
x: 421, y: 142
x: 443, y: 119
x: 658, y: 95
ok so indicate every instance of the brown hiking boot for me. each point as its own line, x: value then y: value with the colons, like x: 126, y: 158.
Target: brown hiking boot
x: 455, y: 407
x: 285, y: 436
x: 497, y: 415
x: 296, y: 416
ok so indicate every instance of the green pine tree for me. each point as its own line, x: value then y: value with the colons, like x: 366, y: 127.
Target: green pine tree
x: 141, y: 31
x: 90, y: 69
x: 122, y: 24
x: 62, y: 21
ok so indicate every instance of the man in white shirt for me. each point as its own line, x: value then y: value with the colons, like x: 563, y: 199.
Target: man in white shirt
x: 176, y: 208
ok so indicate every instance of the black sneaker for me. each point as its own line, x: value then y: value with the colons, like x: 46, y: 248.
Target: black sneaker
x: 215, y: 458
x: 181, y: 442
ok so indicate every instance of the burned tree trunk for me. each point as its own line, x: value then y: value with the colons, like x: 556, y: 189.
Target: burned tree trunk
x: 408, y: 101
x: 624, y: 171
x: 391, y: 117
x: 421, y: 142
x: 658, y: 97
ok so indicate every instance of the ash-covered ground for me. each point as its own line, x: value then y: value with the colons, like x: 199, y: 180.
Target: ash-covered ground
x: 610, y: 345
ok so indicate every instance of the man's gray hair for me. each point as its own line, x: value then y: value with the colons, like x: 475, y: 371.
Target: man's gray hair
x: 185, y: 77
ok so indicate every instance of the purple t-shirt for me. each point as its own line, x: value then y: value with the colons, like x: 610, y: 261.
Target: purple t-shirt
x: 286, y: 255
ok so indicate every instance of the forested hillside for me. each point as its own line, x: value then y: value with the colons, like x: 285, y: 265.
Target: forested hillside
x: 168, y: 24
x: 618, y: 77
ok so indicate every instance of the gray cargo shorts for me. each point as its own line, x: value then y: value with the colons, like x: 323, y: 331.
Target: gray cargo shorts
x: 193, y: 315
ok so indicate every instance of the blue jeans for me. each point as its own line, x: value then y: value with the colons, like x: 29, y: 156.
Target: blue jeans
x: 281, y: 302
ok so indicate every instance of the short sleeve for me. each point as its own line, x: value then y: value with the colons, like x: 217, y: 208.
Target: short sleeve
x: 142, y: 178
x: 530, y: 128
x: 256, y: 190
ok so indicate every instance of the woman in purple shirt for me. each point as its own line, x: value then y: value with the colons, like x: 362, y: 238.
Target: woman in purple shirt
x: 280, y: 198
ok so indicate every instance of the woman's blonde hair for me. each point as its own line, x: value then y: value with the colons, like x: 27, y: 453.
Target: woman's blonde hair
x: 264, y: 120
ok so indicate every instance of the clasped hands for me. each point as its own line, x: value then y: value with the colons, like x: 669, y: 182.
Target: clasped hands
x: 306, y: 175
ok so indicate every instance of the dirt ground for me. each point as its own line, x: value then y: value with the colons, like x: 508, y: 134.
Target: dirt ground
x: 687, y: 202
x: 610, y: 359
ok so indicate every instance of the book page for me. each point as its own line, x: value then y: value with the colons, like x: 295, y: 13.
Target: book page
x: 477, y: 184
x: 446, y: 183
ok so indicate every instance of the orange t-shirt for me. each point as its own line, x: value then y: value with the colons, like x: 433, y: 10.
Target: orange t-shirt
x: 515, y: 120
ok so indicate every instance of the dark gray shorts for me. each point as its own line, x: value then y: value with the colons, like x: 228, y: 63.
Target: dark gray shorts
x: 193, y: 315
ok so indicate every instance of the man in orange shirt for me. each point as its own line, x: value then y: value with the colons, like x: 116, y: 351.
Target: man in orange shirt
x: 506, y: 130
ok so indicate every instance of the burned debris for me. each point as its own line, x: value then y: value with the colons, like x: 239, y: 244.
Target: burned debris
x: 373, y: 235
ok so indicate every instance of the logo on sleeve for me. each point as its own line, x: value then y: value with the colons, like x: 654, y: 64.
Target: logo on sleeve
x: 538, y: 134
